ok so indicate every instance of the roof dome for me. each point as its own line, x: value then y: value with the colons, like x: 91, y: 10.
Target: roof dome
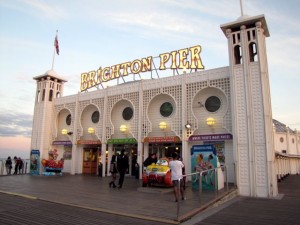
x: 243, y: 17
x: 51, y: 73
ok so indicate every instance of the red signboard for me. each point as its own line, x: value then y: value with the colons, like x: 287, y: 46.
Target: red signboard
x: 88, y: 142
x: 162, y: 139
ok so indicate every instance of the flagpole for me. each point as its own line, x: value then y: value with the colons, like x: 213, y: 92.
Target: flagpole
x: 241, y: 5
x: 54, y: 50
x: 53, y: 58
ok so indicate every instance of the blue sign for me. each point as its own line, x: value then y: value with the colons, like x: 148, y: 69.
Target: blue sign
x: 204, y: 159
x: 35, y: 162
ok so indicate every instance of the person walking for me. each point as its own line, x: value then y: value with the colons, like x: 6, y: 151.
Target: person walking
x: 113, y: 171
x: 8, y: 165
x: 122, y: 165
x: 176, y: 167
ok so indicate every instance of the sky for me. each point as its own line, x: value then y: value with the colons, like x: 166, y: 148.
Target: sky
x: 94, y: 33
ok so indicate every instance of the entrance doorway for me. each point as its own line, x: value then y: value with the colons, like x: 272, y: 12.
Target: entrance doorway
x: 131, y: 151
x: 91, y: 160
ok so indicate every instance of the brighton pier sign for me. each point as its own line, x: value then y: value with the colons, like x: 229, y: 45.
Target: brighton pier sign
x: 187, y: 58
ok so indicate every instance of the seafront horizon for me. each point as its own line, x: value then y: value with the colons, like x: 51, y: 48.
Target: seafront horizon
x: 24, y: 154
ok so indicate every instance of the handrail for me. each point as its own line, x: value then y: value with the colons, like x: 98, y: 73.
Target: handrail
x: 199, y: 176
x: 24, y: 170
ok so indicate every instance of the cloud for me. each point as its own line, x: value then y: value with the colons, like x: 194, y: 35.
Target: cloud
x: 41, y: 9
x: 14, y: 124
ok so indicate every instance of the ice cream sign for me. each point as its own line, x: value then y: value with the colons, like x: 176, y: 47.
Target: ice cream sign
x: 187, y: 58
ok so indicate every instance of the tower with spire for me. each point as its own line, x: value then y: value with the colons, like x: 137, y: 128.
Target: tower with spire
x: 251, y: 107
x: 49, y: 86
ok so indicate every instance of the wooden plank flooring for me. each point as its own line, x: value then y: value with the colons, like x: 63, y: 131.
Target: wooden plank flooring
x: 89, y: 200
x: 260, y: 211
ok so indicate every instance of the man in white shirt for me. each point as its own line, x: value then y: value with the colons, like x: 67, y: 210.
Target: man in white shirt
x: 176, y: 169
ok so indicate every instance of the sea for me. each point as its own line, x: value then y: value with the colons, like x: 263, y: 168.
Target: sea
x: 24, y: 154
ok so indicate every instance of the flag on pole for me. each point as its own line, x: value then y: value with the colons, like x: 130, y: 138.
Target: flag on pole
x: 56, y: 45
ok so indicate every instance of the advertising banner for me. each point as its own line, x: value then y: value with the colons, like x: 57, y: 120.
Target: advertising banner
x: 203, y: 158
x: 35, y: 162
x: 220, y: 150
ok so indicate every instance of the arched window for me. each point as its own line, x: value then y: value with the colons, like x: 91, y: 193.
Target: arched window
x: 38, y: 96
x: 43, y: 97
x: 68, y: 119
x: 238, y: 54
x: 252, y: 52
x: 50, y: 95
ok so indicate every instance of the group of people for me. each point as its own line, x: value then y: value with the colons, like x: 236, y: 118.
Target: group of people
x: 118, y: 164
x: 18, y: 165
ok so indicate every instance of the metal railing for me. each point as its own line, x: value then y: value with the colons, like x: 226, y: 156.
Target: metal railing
x: 24, y: 170
x: 198, y: 177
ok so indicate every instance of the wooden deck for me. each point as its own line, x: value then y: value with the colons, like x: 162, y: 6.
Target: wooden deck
x: 259, y: 211
x: 88, y: 199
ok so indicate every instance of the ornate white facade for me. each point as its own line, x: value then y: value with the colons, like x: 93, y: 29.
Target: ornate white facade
x: 237, y: 97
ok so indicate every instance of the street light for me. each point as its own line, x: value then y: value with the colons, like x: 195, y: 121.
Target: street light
x: 188, y: 126
x: 163, y: 126
x: 123, y: 128
x: 64, y: 131
x: 91, y: 130
x: 210, y: 121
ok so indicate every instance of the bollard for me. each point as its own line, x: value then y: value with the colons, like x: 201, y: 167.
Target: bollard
x: 26, y: 168
x: 178, y: 195
x: 200, y: 183
x: 216, y: 180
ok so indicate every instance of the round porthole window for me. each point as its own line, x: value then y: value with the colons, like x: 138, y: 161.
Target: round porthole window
x: 127, y: 113
x: 212, y: 104
x: 166, y: 109
x: 95, y: 117
x: 281, y: 139
x: 68, y: 120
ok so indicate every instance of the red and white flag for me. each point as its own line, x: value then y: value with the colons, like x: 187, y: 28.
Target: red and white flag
x: 56, y: 45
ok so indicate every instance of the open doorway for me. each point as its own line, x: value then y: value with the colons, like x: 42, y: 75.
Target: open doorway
x: 131, y: 152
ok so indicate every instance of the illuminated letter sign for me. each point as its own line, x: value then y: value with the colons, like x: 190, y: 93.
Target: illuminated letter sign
x: 187, y: 58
